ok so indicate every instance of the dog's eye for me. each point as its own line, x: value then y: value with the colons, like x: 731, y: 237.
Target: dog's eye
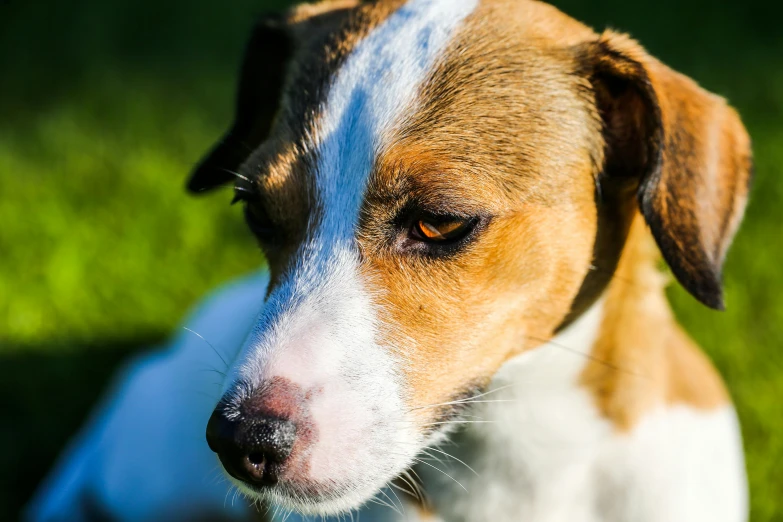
x: 259, y: 222
x: 256, y: 216
x: 441, y: 231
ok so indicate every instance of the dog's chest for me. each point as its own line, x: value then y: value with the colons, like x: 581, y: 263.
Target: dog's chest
x: 540, y: 451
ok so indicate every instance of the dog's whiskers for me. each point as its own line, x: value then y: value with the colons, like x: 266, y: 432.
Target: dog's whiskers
x: 402, y: 507
x: 588, y: 356
x: 468, y: 400
x: 460, y: 403
x: 215, y: 370
x: 208, y: 344
x: 404, y: 490
x: 419, y: 461
x: 382, y: 502
x: 458, y: 421
x: 239, y: 188
x: 406, y: 477
x: 228, y: 492
x: 455, y: 458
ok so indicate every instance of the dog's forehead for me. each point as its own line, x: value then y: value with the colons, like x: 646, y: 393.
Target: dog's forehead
x: 454, y: 74
x: 372, y: 93
x: 349, y: 88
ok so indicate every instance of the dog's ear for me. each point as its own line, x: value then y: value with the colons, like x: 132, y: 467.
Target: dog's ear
x: 258, y: 97
x: 687, y: 150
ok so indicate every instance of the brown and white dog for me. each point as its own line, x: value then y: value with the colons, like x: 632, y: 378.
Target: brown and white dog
x: 460, y: 202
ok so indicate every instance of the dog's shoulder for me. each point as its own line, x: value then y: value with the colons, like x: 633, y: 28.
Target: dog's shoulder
x: 642, y: 361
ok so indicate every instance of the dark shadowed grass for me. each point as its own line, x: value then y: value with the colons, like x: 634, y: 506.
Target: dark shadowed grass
x: 104, y: 106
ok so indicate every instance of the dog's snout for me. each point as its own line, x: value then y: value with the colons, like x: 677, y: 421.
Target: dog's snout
x: 251, y: 448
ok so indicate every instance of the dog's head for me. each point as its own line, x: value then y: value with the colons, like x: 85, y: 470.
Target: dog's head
x: 439, y: 185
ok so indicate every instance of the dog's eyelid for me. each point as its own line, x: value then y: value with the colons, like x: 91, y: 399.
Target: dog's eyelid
x: 256, y: 214
x: 439, y: 210
x: 436, y: 234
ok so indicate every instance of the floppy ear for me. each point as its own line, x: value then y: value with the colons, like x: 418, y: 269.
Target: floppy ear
x: 687, y: 150
x: 258, y: 97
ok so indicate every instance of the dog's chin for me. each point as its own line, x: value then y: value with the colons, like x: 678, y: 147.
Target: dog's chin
x: 313, y: 500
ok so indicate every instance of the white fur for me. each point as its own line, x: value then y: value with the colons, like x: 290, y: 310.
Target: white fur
x: 545, y: 454
x: 319, y: 326
x: 680, y: 465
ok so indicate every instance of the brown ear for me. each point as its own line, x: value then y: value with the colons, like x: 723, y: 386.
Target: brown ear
x: 258, y: 97
x: 687, y: 150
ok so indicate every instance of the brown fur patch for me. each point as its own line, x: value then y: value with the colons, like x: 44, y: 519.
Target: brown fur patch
x: 689, y: 152
x: 642, y: 360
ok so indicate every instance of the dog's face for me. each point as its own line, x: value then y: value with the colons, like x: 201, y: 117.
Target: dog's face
x: 442, y: 186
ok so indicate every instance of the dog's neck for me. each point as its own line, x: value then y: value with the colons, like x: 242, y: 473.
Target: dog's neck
x: 536, y: 422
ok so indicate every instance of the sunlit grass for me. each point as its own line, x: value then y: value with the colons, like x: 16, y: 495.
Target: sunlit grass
x: 99, y: 238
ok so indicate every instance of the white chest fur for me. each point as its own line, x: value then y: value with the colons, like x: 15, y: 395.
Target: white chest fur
x: 542, y: 452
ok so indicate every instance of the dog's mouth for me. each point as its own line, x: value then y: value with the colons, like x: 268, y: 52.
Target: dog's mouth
x: 309, y: 498
x: 316, y: 498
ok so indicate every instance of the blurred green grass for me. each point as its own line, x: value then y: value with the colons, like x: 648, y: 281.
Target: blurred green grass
x: 104, y: 107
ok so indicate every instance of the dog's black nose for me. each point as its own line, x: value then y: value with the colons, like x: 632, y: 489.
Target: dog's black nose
x: 252, y: 448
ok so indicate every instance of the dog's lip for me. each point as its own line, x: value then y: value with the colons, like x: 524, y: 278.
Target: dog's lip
x: 292, y: 491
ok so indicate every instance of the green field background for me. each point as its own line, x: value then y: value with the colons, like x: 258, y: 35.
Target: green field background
x: 104, y: 107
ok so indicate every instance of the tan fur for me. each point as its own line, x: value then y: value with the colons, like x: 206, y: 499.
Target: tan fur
x: 509, y: 125
x: 642, y: 360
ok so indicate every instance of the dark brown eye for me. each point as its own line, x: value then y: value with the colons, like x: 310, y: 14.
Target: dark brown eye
x: 441, y: 231
x: 256, y: 216
x: 259, y: 222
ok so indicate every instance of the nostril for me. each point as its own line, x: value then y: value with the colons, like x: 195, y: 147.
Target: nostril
x: 266, y: 445
x: 256, y: 458
x: 259, y: 469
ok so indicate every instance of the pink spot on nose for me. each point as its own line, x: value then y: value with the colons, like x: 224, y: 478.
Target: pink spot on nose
x: 281, y: 398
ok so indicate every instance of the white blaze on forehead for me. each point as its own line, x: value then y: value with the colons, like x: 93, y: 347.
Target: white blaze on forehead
x: 373, y: 92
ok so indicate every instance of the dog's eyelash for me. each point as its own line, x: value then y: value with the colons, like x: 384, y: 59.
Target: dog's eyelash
x: 242, y: 193
x: 256, y: 216
x: 442, y: 231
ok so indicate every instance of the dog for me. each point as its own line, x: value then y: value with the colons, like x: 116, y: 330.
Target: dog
x: 463, y: 204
